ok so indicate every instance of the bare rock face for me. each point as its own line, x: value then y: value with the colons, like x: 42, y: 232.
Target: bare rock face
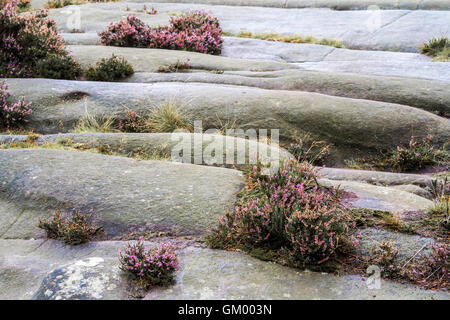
x: 50, y: 270
x: 124, y: 194
x: 89, y: 279
x: 206, y: 149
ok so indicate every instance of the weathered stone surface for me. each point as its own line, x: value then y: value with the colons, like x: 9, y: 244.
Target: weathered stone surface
x: 93, y: 278
x: 377, y: 177
x: 371, y: 29
x: 428, y: 95
x: 209, y: 274
x: 426, y: 70
x: 329, y: 59
x: 124, y: 194
x: 380, y: 198
x: 424, y: 94
x: 416, y: 190
x: 300, y: 56
x: 353, y: 126
x: 237, y: 152
x: 24, y: 268
x: 149, y: 60
x: 332, y: 4
x: 407, y: 245
x: 32, y: 269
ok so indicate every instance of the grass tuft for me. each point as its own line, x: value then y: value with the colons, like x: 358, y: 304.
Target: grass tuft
x: 95, y: 124
x: 437, y: 48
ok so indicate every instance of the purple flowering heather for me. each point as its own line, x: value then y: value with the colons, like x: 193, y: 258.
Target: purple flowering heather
x: 12, y: 114
x: 153, y: 267
x: 25, y: 39
x: 288, y: 208
x: 196, y: 32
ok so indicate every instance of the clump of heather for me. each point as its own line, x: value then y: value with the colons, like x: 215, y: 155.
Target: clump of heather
x: 196, y: 31
x: 133, y: 122
x: 417, y: 155
x: 73, y: 231
x: 25, y: 40
x: 150, y: 267
x: 111, y: 69
x: 386, y: 258
x: 287, y: 208
x: 12, y: 114
x: 315, y: 233
x: 433, y: 270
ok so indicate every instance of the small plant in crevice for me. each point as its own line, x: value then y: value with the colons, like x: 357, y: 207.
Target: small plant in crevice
x: 59, y: 67
x: 441, y: 192
x: 289, y: 38
x: 287, y: 211
x: 433, y: 270
x: 89, y: 123
x: 150, y: 268
x: 166, y: 117
x: 414, y: 156
x: 153, y: 11
x: 386, y: 258
x: 175, y: 67
x: 12, y: 114
x: 76, y: 31
x: 437, y: 48
x: 73, y: 231
x: 196, y: 31
x: 380, y: 219
x: 134, y: 122
x: 417, y: 155
x: 56, y: 4
x: 305, y: 148
x: 111, y: 69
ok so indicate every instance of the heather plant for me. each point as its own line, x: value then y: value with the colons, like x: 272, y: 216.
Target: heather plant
x: 134, y: 122
x: 25, y: 40
x: 12, y: 114
x: 417, y: 155
x: 175, y: 67
x: 59, y: 67
x: 111, y: 69
x: 150, y: 267
x: 315, y: 232
x: 288, y: 210
x: 21, y: 4
x: 433, y: 270
x: 386, y: 258
x: 414, y: 156
x: 73, y: 231
x: 196, y: 31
